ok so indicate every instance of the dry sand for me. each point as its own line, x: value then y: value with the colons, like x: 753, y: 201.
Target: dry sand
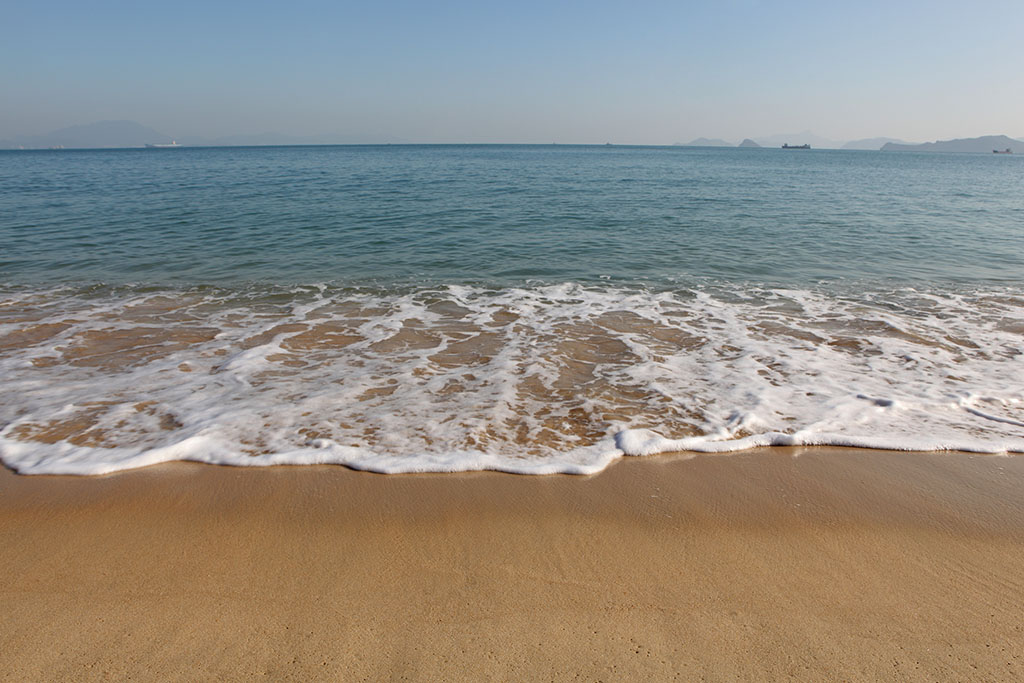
x: 817, y: 564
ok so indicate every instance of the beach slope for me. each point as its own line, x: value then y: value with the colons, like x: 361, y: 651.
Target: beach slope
x: 815, y: 564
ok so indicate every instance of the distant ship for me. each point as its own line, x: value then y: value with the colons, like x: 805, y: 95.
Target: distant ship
x: 164, y: 145
x: 1002, y: 151
x: 789, y: 146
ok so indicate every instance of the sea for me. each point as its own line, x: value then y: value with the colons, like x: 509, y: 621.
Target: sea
x: 529, y: 308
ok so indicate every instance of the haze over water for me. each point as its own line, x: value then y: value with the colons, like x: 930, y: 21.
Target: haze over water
x: 526, y: 308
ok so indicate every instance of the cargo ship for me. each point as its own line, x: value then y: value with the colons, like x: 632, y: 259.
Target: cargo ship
x: 163, y: 145
x: 789, y: 146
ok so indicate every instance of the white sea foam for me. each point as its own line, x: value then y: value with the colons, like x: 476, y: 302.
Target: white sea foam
x: 533, y: 380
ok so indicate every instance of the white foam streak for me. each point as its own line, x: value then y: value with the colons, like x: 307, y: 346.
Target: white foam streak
x: 72, y: 460
x: 532, y: 380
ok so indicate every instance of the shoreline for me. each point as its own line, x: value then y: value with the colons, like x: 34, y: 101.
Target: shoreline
x: 782, y: 562
x: 542, y: 379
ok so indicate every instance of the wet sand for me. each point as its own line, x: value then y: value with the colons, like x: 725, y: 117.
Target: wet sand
x: 815, y: 564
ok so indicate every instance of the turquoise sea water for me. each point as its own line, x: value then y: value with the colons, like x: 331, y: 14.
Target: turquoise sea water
x: 523, y: 308
x: 503, y: 214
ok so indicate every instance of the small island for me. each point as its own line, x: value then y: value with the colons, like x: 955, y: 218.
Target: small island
x: 1000, y: 144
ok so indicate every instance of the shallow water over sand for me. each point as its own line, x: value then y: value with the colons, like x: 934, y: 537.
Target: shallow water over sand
x: 545, y: 378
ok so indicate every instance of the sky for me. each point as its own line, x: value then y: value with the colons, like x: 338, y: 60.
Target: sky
x: 517, y: 71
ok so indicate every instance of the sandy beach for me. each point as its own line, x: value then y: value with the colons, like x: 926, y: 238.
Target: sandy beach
x: 812, y: 564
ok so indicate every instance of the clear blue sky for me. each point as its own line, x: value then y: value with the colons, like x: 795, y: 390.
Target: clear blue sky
x: 523, y: 71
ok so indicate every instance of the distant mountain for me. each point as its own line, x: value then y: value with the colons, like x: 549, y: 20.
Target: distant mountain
x: 93, y: 135
x: 804, y: 138
x: 874, y: 143
x: 983, y: 145
x: 708, y: 142
x: 749, y: 143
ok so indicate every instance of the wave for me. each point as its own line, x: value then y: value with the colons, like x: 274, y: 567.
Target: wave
x: 536, y: 379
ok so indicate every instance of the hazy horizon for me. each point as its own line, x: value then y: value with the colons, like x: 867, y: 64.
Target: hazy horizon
x: 656, y: 73
x: 128, y: 134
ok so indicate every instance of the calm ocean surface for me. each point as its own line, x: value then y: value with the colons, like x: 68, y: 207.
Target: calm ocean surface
x: 500, y: 215
x: 524, y: 308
